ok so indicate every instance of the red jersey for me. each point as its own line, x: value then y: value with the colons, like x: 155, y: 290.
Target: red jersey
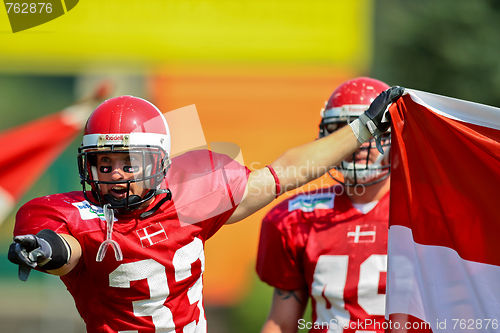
x: 157, y: 287
x: 319, y: 242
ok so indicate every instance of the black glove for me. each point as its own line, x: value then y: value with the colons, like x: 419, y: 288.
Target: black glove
x: 377, y: 118
x: 29, y: 251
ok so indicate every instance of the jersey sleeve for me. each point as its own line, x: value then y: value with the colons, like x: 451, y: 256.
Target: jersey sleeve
x: 39, y: 214
x: 206, y: 188
x: 278, y: 257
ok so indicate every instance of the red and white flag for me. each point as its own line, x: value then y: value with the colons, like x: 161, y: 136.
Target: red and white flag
x: 444, y: 235
x: 29, y: 149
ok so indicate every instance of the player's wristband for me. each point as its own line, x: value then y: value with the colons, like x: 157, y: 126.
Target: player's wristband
x: 61, y: 251
x: 276, y: 180
x: 360, y: 130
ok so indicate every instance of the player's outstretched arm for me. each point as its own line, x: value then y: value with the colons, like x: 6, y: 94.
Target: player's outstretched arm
x: 54, y: 253
x: 304, y: 163
x: 294, y: 168
x: 286, y: 310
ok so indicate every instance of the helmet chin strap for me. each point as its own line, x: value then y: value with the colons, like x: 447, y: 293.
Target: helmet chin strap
x: 122, y: 203
x: 157, y: 206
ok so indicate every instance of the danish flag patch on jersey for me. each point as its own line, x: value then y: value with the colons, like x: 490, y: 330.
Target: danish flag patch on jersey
x: 362, y: 234
x: 152, y: 235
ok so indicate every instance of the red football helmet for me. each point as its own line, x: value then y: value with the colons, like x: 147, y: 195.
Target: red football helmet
x: 125, y: 124
x: 345, y: 104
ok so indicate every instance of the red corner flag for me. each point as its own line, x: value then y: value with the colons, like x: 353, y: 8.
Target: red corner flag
x: 29, y: 149
x: 444, y: 252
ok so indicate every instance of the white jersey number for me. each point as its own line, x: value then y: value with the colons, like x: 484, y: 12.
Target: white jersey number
x: 330, y: 277
x: 154, y: 273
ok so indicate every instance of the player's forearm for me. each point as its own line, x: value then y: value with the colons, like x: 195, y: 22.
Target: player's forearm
x: 286, y: 309
x: 294, y: 168
x: 302, y: 164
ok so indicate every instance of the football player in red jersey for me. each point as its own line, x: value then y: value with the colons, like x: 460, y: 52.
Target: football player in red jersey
x: 330, y: 245
x: 130, y: 246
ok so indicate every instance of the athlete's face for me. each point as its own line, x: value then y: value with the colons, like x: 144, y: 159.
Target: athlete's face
x: 113, y: 167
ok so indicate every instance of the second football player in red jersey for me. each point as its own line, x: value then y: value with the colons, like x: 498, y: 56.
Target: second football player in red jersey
x: 330, y: 245
x: 130, y: 246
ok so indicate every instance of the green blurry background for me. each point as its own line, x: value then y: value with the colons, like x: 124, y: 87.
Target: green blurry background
x: 449, y: 47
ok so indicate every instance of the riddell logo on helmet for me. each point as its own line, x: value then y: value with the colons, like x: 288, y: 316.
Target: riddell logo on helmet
x: 114, y: 137
x: 106, y: 139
